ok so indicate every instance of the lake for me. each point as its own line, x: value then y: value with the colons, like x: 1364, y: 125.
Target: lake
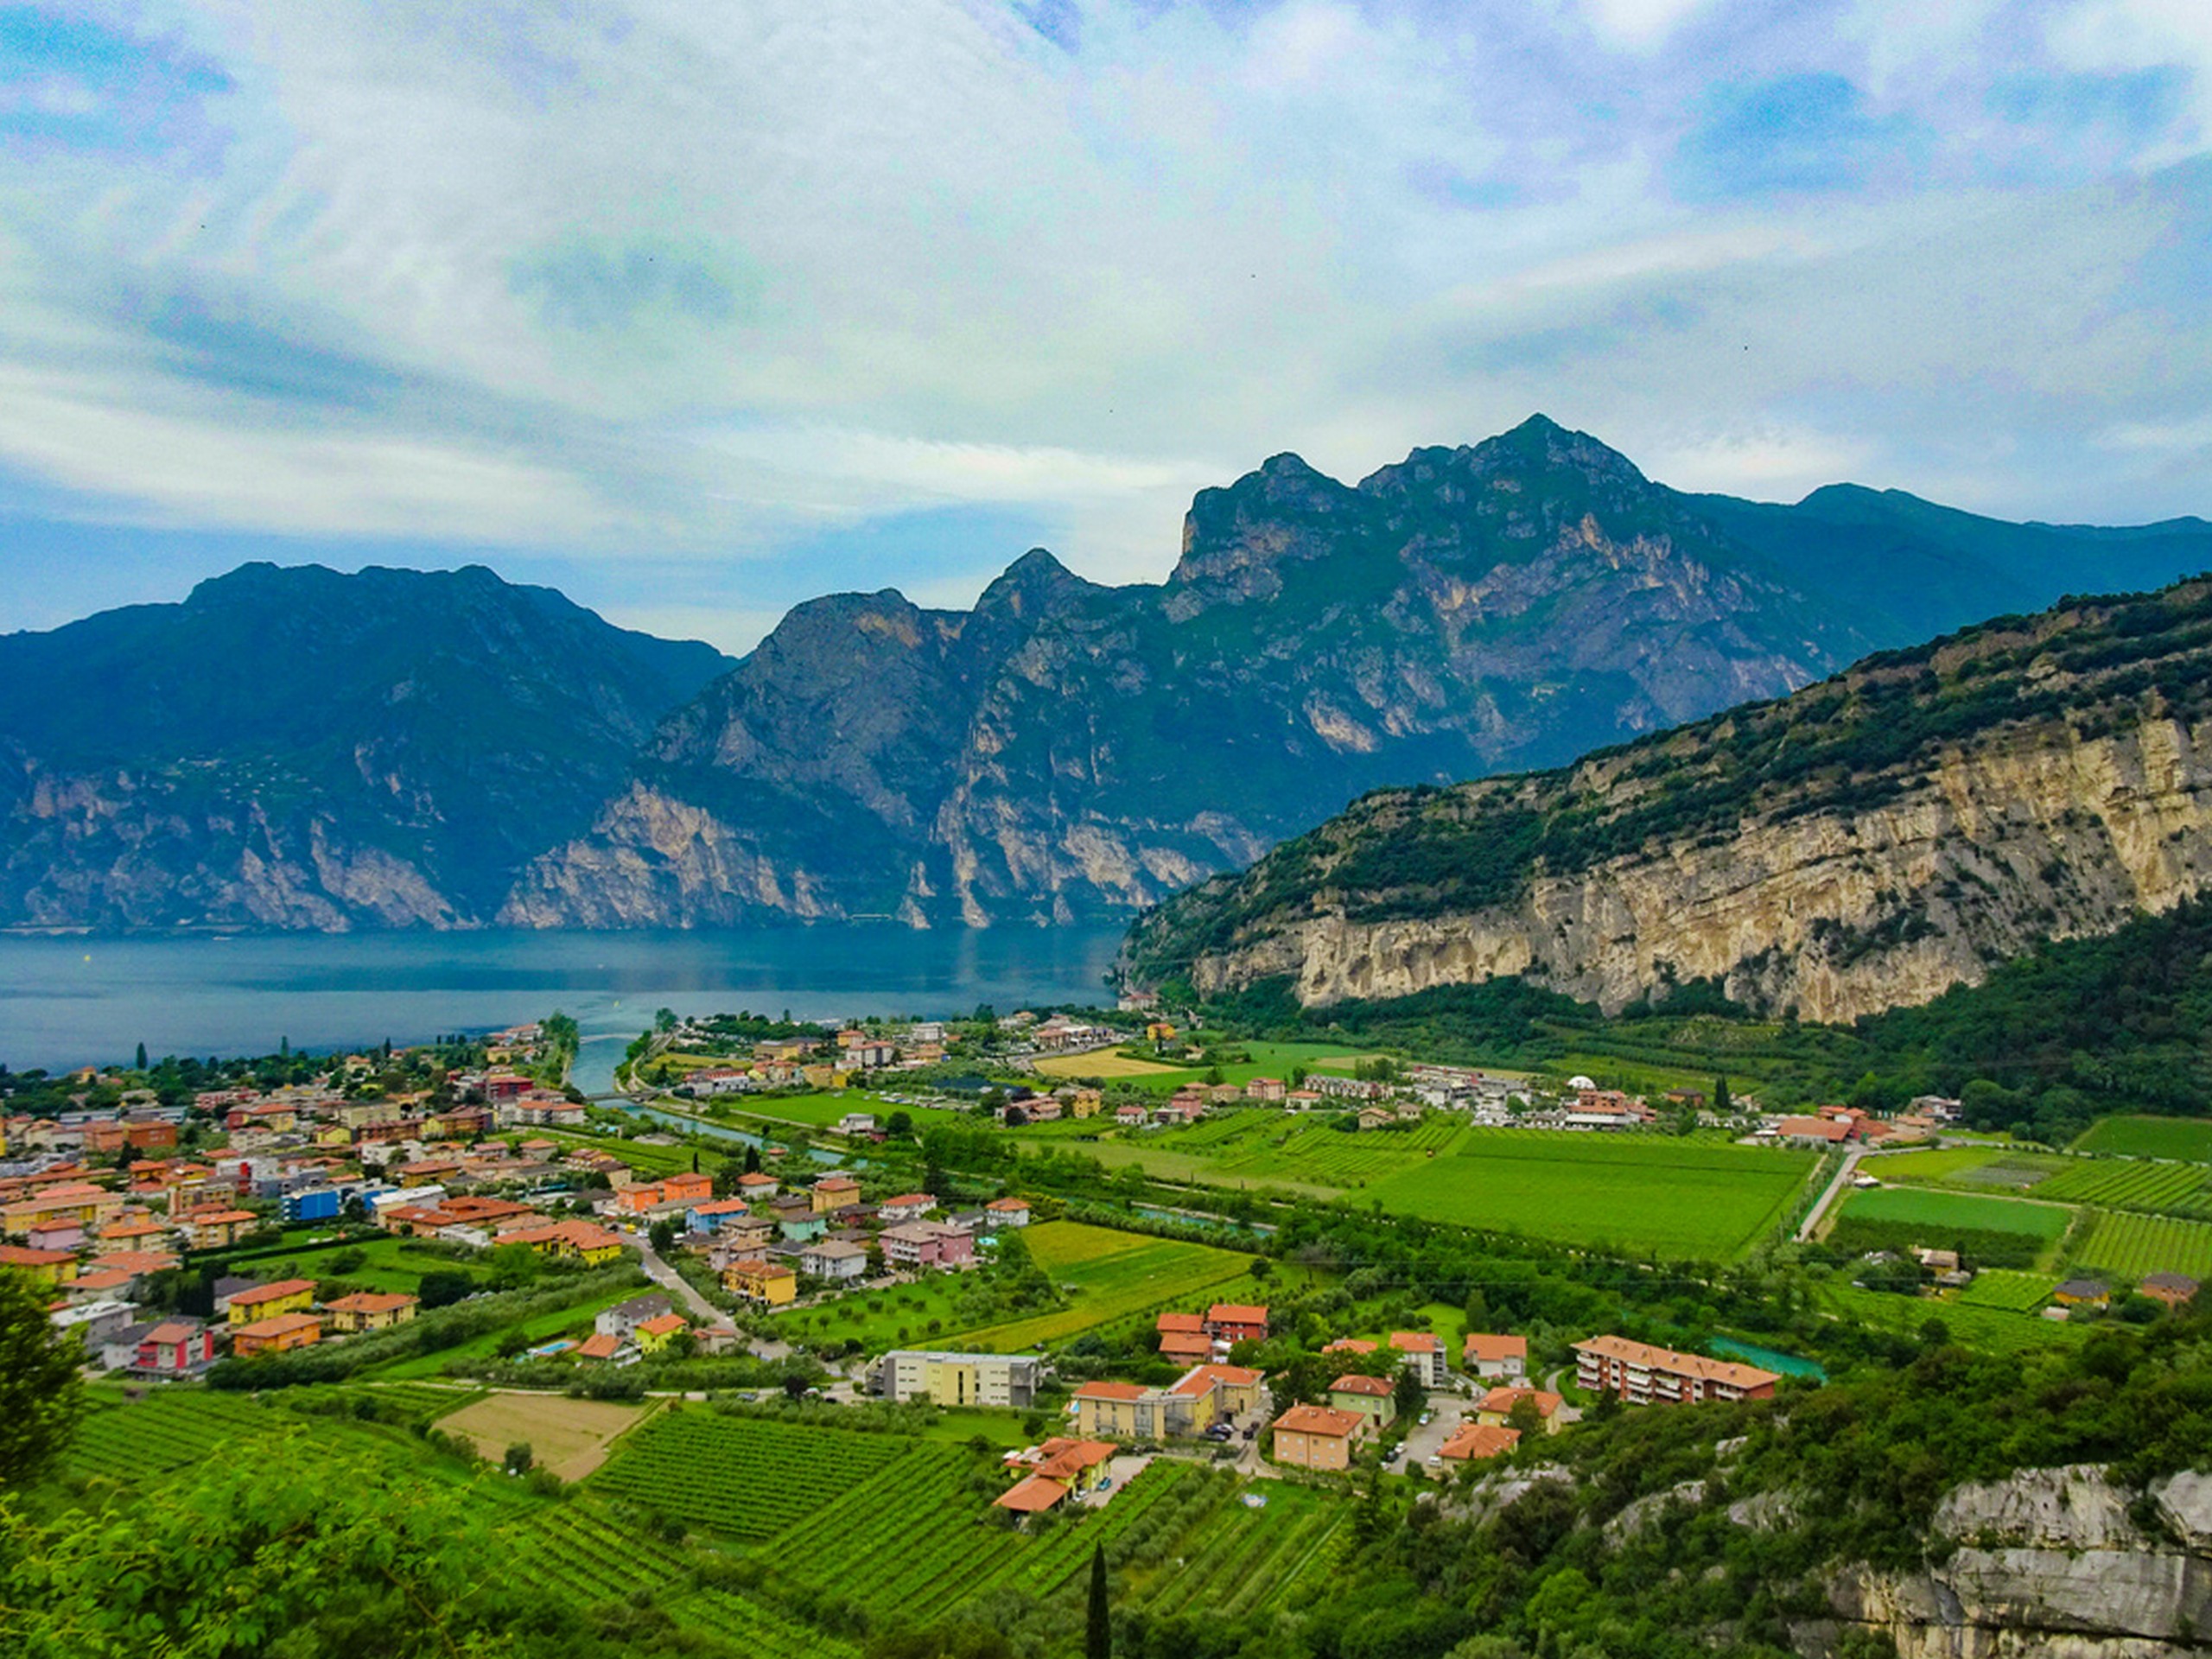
x: 72, y: 1001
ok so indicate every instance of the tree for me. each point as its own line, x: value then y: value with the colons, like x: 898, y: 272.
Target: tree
x: 752, y: 1160
x: 518, y: 1459
x: 663, y: 1234
x: 1098, y: 1627
x: 1407, y: 1392
x: 1721, y: 1102
x: 40, y: 1396
x: 141, y: 1056
x: 664, y: 1021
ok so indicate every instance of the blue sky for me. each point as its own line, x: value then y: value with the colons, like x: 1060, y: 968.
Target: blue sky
x: 697, y: 310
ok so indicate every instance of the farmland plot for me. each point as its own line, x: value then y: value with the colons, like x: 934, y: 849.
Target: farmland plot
x: 2135, y: 1184
x: 740, y: 1476
x: 2130, y: 1246
x: 2187, y: 1138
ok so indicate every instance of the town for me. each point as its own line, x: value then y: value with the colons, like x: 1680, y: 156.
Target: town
x: 1147, y: 1276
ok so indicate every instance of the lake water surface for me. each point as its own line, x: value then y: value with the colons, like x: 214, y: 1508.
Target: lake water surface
x: 75, y: 1002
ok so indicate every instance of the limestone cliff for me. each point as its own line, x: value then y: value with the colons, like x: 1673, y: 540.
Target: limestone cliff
x: 1868, y: 841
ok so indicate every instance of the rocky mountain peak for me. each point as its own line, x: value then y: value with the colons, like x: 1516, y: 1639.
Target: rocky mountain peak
x: 1035, y: 586
x: 1233, y: 538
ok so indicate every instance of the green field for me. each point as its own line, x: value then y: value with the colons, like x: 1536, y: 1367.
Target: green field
x: 1923, y: 1207
x: 1638, y: 1193
x: 2135, y: 1184
x: 2151, y: 1137
x: 1105, y: 1275
x: 1108, y: 1276
x: 1991, y: 1330
x: 388, y: 1263
x: 2128, y: 1247
x: 739, y: 1475
x: 822, y: 1110
x: 2013, y: 1292
x: 1267, y: 1060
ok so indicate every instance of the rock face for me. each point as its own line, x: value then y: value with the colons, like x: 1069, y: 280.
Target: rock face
x: 2047, y: 1562
x: 302, y: 749
x: 1070, y: 751
x: 1869, y: 841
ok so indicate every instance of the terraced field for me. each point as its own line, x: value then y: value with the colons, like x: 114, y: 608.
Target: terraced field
x: 1240, y: 1558
x: 2128, y: 1246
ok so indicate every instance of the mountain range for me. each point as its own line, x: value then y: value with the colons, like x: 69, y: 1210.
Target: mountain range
x: 294, y: 748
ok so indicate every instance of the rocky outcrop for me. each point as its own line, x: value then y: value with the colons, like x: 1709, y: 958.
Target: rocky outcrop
x: 1870, y: 842
x: 2048, y: 1562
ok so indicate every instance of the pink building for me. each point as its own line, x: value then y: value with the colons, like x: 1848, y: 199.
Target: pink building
x: 179, y: 1348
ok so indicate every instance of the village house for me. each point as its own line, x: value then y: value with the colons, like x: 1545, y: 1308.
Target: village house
x: 2083, y: 1293
x: 263, y: 1302
x: 715, y: 1215
x: 1495, y: 1407
x: 832, y: 1193
x: 1317, y: 1436
x: 1473, y: 1442
x: 1422, y: 1353
x: 660, y: 1198
x: 755, y: 1188
x: 1131, y: 1115
x: 46, y: 1267
x: 1370, y: 1397
x: 1815, y: 1131
x: 2174, y: 1289
x: 834, y: 1258
x: 1491, y: 1356
x: 926, y: 1244
x: 758, y: 1279
x: 955, y: 1379
x: 1234, y: 1322
x: 1272, y: 1090
x: 371, y: 1310
x: 175, y: 1348
x: 599, y: 1345
x: 1190, y: 1405
x: 1641, y: 1374
x: 907, y: 1206
x: 280, y: 1334
x: 622, y: 1320
x: 1183, y: 1336
x: 654, y: 1335
x: 567, y: 1241
x: 1007, y: 1212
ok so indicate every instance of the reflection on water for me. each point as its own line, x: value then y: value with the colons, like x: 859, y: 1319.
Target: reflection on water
x: 73, y: 1001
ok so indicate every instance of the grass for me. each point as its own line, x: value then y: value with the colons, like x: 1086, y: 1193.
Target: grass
x: 2128, y: 1247
x: 1104, y: 1286
x: 1991, y: 1330
x: 1928, y: 1208
x: 1639, y: 1194
x: 2000, y: 1287
x: 741, y: 1476
x: 1267, y: 1060
x: 561, y: 1321
x: 2187, y: 1138
x: 388, y: 1264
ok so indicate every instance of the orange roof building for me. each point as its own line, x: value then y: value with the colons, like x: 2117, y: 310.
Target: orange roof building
x: 1476, y: 1441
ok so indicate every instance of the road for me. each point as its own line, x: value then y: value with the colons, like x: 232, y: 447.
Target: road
x: 685, y: 1291
x: 1806, y: 1228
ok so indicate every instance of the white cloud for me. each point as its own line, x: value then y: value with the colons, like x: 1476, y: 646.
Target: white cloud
x: 1640, y: 23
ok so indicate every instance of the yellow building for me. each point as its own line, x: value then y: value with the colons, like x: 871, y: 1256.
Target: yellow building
x: 770, y: 1283
x: 567, y: 1241
x: 46, y: 1267
x: 833, y: 1192
x: 371, y: 1310
x: 278, y: 1335
x: 653, y: 1335
x: 266, y: 1301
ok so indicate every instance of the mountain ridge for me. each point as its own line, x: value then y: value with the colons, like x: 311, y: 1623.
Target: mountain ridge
x: 1062, y: 750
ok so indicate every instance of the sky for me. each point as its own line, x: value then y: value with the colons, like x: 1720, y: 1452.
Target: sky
x: 696, y: 310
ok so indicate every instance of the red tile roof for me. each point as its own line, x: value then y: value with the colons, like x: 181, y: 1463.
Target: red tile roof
x: 1480, y: 1440
x: 1031, y: 1494
x: 1354, y: 1383
x: 1481, y: 1345
x: 1320, y: 1419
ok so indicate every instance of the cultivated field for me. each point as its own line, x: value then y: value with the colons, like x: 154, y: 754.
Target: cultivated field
x: 2012, y: 1292
x: 570, y: 1437
x: 1973, y: 1211
x: 1107, y: 1276
x: 1104, y: 1063
x: 2128, y: 1247
x: 1990, y: 1329
x: 2134, y: 1183
x: 739, y: 1475
x: 2151, y: 1137
x: 1640, y: 1194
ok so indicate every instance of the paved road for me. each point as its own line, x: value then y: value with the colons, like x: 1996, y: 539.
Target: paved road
x: 1445, y: 1414
x: 677, y: 1286
x: 1842, y: 1180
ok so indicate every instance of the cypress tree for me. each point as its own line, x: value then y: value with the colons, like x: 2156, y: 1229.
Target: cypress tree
x: 1721, y: 1102
x: 1098, y: 1631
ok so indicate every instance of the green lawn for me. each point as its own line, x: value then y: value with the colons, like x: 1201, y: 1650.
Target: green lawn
x: 574, y: 1321
x: 2151, y: 1137
x: 389, y: 1264
x: 822, y: 1110
x: 1967, y: 1209
x: 1636, y: 1193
